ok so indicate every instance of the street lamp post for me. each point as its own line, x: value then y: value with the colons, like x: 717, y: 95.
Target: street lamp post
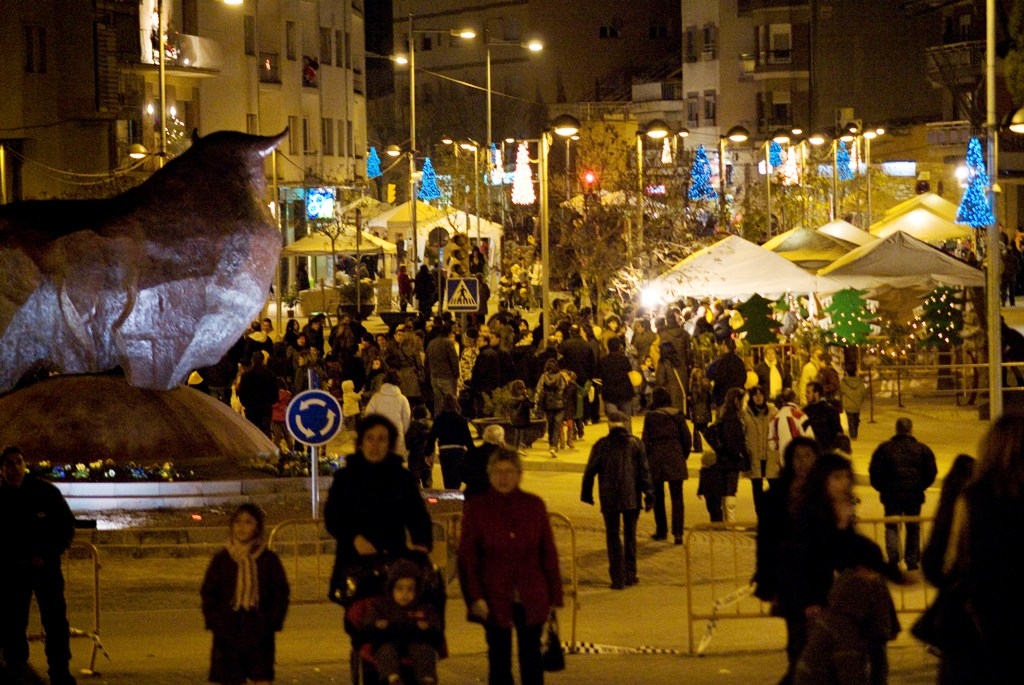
x: 655, y: 130
x: 869, y: 135
x: 532, y: 46
x: 411, y: 61
x: 565, y: 126
x: 736, y: 134
x: 782, y: 138
x: 475, y: 147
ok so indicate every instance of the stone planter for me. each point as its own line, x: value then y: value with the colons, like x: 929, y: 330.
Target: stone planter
x: 538, y: 428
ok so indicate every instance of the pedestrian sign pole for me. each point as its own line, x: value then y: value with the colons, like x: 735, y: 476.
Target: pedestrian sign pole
x: 463, y: 295
x: 313, y: 417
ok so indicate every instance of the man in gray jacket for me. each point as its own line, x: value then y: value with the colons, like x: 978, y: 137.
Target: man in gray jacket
x: 619, y: 462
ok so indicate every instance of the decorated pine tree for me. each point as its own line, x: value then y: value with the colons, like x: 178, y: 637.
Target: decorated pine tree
x: 774, y: 155
x: 372, y: 164
x: 850, y: 316
x: 758, y: 323
x: 522, y: 179
x: 843, y: 162
x: 428, y: 183
x: 940, y: 318
x: 700, y: 177
x: 975, y: 210
x: 666, y: 152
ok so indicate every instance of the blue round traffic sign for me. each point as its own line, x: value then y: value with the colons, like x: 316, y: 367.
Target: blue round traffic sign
x: 313, y: 417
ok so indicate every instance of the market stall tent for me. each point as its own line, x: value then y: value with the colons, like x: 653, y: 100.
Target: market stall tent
x: 844, y: 230
x: 319, y: 244
x: 924, y: 224
x: 808, y: 248
x: 733, y: 267
x: 452, y: 220
x: 930, y: 201
x: 900, y: 260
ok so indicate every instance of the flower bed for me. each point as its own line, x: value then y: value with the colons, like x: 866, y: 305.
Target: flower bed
x: 108, y: 472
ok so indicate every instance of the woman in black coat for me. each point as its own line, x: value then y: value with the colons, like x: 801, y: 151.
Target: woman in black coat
x: 373, y: 504
x: 732, y: 448
x: 667, y: 441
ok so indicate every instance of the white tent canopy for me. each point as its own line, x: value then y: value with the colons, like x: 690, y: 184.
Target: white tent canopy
x: 901, y: 261
x: 317, y: 244
x: 733, y: 267
x: 936, y: 204
x: 396, y: 223
x: 923, y: 224
x: 844, y: 230
x: 809, y: 248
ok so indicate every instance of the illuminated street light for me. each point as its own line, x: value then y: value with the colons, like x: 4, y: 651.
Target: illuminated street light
x: 736, y: 134
x: 657, y: 129
x: 564, y: 125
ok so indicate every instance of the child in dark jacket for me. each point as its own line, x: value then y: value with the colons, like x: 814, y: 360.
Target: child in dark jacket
x: 847, y: 642
x: 245, y: 599
x: 522, y: 412
x: 713, y: 484
x: 420, y: 446
x: 400, y: 625
x: 570, y: 396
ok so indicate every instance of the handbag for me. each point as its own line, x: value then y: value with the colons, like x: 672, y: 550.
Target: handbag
x: 552, y: 655
x: 358, y: 579
x: 949, y: 622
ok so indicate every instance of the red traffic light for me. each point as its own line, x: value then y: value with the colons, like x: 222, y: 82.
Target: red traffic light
x: 589, y: 178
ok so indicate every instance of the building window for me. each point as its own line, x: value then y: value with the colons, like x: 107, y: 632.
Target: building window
x: 250, y: 35
x: 293, y: 136
x: 690, y: 44
x: 325, y: 46
x: 339, y: 48
x: 351, y: 139
x: 327, y: 136
x: 189, y: 18
x: 251, y: 124
x: 692, y: 109
x: 35, y: 50
x: 289, y: 40
x: 306, y: 148
x: 710, y: 102
x: 609, y: 32
x: 348, y: 50
x: 780, y: 44
x: 269, y: 67
x: 709, y: 50
x: 342, y: 140
x: 658, y: 32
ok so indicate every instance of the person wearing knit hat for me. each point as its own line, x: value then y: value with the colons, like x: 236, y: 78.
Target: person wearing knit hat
x: 402, y: 625
x: 245, y: 598
x: 619, y: 462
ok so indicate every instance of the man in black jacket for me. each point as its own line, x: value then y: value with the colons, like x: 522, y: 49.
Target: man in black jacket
x: 38, y: 527
x: 727, y: 371
x: 901, y: 470
x: 822, y: 416
x: 620, y: 464
x: 616, y: 387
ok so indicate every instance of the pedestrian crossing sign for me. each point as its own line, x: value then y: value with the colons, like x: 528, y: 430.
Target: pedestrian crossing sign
x: 463, y: 294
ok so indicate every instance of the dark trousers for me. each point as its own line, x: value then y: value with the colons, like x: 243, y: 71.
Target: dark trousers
x: 499, y: 651
x: 47, y: 583
x: 555, y: 419
x: 621, y: 551
x: 714, y: 505
x: 452, y: 466
x: 675, y: 493
x: 698, y: 432
x: 421, y: 656
x: 853, y: 418
x: 757, y: 488
x: 796, y: 640
x: 912, y: 544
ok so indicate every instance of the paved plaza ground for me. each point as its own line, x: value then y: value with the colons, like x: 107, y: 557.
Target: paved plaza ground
x: 150, y: 623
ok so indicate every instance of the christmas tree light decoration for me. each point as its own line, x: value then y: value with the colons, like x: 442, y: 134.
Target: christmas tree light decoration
x: 428, y: 183
x: 372, y: 164
x: 497, y: 166
x: 843, y: 162
x: 666, y: 152
x: 522, y: 179
x: 791, y: 168
x: 941, y: 318
x: 774, y: 155
x: 700, y: 178
x: 975, y: 210
x: 850, y: 317
x: 759, y: 325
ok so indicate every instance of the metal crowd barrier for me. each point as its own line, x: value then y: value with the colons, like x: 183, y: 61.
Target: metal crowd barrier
x: 82, y: 583
x: 720, y: 562
x: 307, y: 552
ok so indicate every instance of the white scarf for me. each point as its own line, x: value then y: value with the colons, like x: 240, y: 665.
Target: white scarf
x: 247, y: 585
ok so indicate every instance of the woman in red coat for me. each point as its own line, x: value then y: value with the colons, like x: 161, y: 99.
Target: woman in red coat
x: 508, y: 569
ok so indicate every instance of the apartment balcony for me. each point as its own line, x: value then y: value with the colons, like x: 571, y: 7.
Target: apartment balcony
x: 184, y: 55
x: 949, y: 134
x: 956, y: 63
